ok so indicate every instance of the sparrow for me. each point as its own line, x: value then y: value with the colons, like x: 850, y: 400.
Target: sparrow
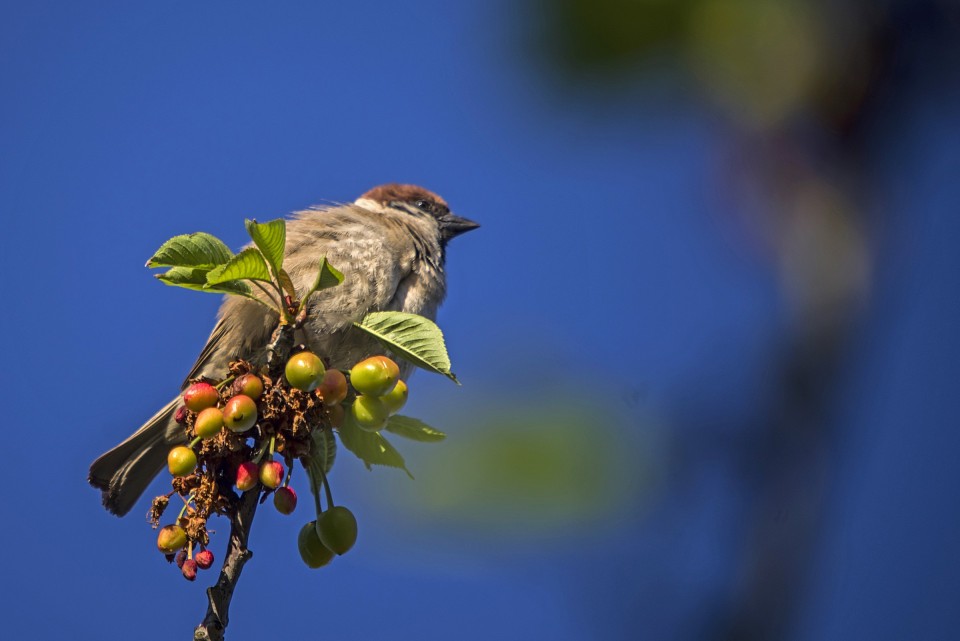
x: 390, y: 244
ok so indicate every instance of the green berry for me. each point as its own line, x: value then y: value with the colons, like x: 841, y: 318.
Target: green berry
x: 370, y: 413
x: 209, y: 423
x: 181, y: 461
x: 396, y: 398
x: 171, y: 538
x: 374, y: 376
x: 337, y: 529
x: 314, y: 553
x: 304, y: 371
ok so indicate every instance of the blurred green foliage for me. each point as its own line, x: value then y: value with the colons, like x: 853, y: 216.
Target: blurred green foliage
x: 584, y: 35
x: 528, y: 469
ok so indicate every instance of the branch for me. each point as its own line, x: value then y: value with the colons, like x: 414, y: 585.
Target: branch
x: 214, y: 625
x: 215, y: 622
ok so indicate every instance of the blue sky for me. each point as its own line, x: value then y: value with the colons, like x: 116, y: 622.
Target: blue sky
x: 603, y: 283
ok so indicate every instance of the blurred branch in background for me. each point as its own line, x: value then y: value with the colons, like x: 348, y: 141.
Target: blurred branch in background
x: 802, y: 92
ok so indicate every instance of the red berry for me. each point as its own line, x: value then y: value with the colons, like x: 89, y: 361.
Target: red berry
x: 189, y: 569
x: 333, y: 387
x: 181, y: 557
x: 247, y: 475
x: 271, y: 474
x: 204, y: 559
x: 240, y: 413
x: 181, y: 416
x: 285, y: 500
x: 200, y: 396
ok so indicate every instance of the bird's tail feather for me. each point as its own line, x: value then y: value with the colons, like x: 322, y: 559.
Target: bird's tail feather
x: 123, y: 473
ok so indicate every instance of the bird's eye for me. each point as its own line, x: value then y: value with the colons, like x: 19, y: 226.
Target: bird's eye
x: 423, y: 204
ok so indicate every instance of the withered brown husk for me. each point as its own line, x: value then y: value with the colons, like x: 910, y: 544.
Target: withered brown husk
x: 157, y: 508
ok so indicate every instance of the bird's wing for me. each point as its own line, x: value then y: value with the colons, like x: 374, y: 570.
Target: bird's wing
x: 218, y: 331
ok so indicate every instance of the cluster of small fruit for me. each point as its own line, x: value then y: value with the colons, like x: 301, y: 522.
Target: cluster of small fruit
x: 226, y: 449
x: 172, y: 541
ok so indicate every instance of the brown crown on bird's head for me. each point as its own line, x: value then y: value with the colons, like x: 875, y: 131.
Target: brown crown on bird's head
x: 390, y: 192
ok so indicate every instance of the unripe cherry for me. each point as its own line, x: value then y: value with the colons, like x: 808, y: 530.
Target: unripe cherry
x: 181, y: 461
x: 304, y: 371
x: 240, y: 413
x: 171, y: 538
x: 200, y: 396
x: 189, y: 569
x: 248, y: 385
x: 337, y: 529
x: 209, y: 423
x: 370, y: 413
x: 248, y: 473
x: 204, y: 559
x: 314, y: 553
x: 271, y: 474
x: 374, y: 376
x: 285, y: 500
x: 333, y: 387
x: 396, y: 398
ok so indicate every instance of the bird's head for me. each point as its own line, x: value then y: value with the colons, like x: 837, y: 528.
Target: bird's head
x: 420, y: 203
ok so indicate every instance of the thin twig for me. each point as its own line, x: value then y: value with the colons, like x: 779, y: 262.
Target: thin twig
x: 214, y: 624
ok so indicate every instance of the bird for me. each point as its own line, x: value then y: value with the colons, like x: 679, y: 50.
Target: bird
x: 390, y: 245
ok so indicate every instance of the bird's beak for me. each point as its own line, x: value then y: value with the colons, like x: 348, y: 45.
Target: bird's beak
x: 452, y: 225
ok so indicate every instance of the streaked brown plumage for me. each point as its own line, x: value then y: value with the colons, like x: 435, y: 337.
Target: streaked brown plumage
x: 390, y: 245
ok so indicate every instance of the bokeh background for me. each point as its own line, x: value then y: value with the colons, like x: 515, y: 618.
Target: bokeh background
x: 707, y: 332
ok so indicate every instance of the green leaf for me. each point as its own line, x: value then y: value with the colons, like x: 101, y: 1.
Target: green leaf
x: 412, y: 338
x: 270, y: 238
x: 321, y: 457
x: 370, y: 447
x: 196, y: 279
x: 327, y: 276
x: 200, y: 250
x: 247, y: 264
x: 413, y: 429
